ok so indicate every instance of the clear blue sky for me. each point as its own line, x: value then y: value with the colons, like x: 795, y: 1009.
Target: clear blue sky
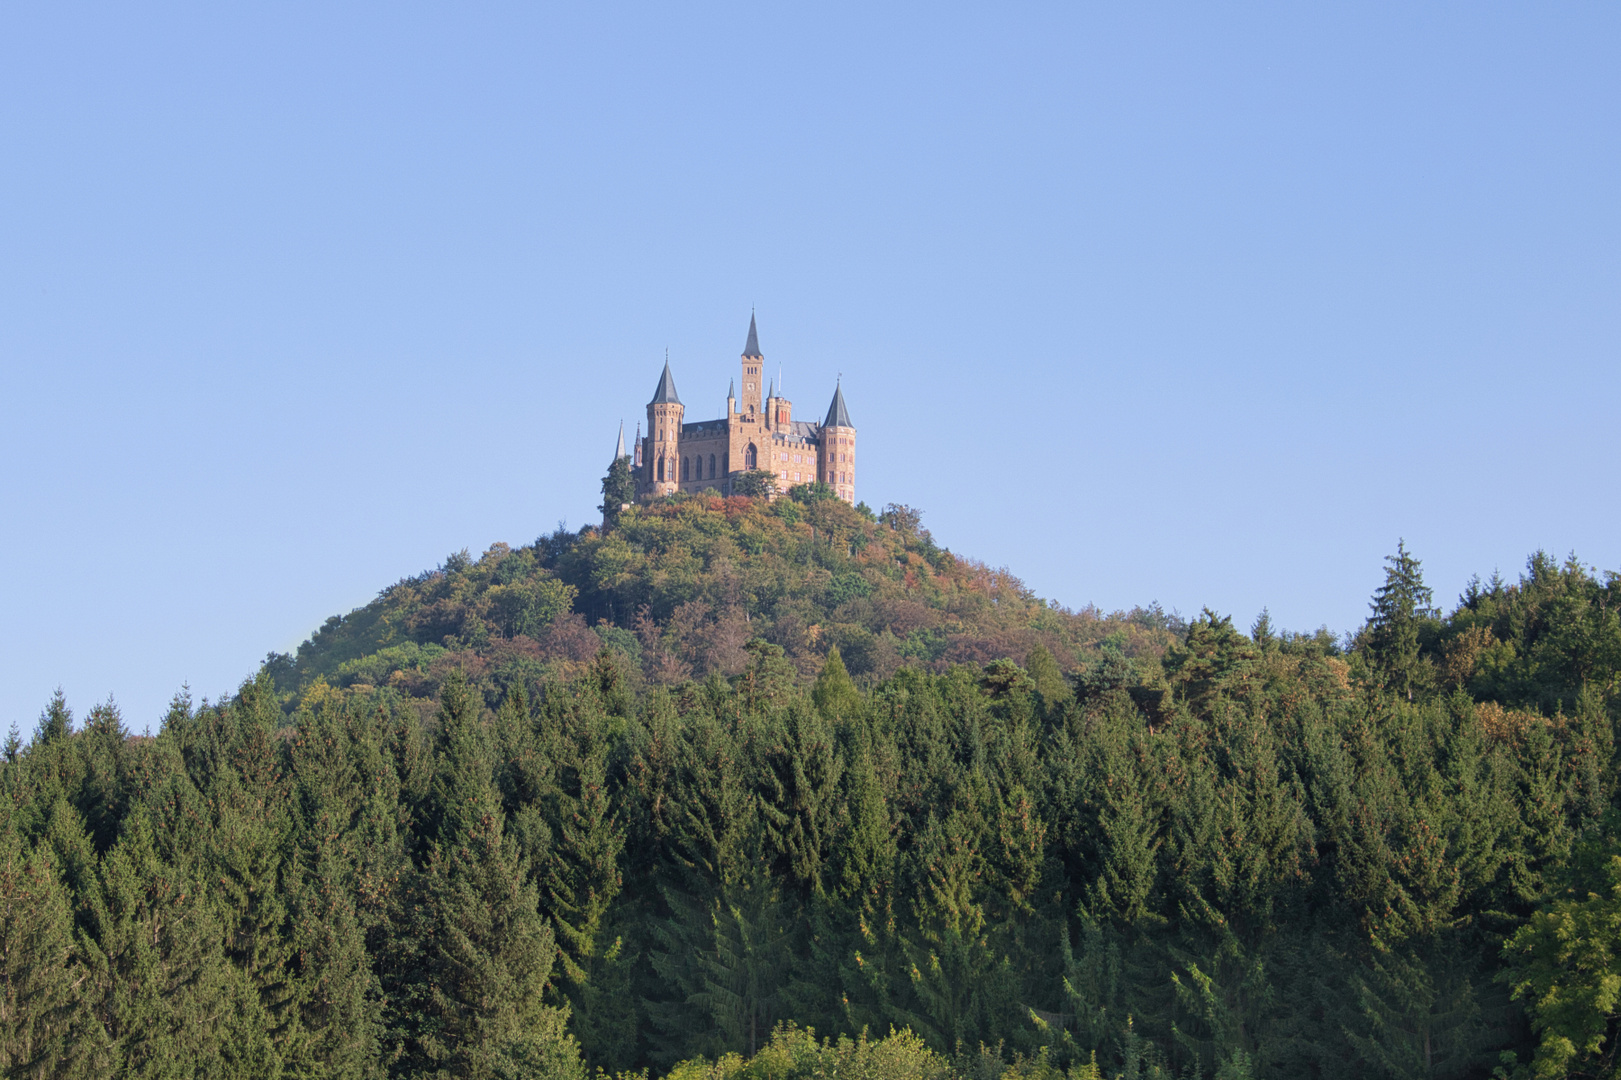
x: 1203, y: 304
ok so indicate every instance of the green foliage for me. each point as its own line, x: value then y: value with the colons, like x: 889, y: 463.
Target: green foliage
x: 836, y: 697
x: 618, y: 490
x: 1401, y: 619
x: 1565, y: 965
x: 812, y: 492
x: 755, y: 764
x: 679, y: 587
x: 754, y: 483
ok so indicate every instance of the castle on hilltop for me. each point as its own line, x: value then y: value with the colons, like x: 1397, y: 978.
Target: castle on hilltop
x: 758, y: 432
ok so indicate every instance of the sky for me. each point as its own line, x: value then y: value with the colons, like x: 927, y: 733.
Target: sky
x: 1196, y: 304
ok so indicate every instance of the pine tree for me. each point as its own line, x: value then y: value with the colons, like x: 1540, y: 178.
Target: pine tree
x: 471, y: 955
x: 164, y: 992
x: 835, y: 694
x: 46, y: 1027
x: 104, y: 792
x: 744, y: 970
x: 574, y: 834
x: 345, y: 859
x: 1399, y: 622
x: 56, y: 722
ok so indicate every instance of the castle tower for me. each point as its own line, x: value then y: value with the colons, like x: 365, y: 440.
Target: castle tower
x: 779, y: 411
x: 663, y: 457
x: 753, y: 369
x: 836, y: 466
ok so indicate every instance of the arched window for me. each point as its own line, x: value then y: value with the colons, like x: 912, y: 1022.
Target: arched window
x: 685, y: 462
x: 661, y: 466
x: 751, y: 457
x: 712, y: 466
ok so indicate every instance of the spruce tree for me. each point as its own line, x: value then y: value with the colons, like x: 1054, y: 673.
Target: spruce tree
x: 166, y: 996
x: 46, y: 1026
x: 1401, y: 618
x: 471, y: 955
x: 835, y: 694
x: 56, y: 722
x: 105, y: 790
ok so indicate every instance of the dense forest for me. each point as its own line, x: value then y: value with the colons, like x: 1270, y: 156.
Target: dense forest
x: 731, y: 788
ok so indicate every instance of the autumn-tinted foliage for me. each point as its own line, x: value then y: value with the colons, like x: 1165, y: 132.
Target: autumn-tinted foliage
x: 679, y: 587
x: 675, y: 796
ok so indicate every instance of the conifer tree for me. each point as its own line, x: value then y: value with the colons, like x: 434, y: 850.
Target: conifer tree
x: 56, y: 722
x: 46, y: 1027
x: 835, y: 694
x: 345, y: 859
x: 1400, y: 619
x: 105, y: 790
x: 164, y: 992
x: 472, y: 956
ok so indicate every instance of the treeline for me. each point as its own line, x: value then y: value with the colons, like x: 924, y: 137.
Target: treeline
x: 1253, y: 855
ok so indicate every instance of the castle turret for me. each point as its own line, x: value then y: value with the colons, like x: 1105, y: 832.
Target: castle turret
x: 663, y: 455
x: 837, y: 466
x: 753, y: 366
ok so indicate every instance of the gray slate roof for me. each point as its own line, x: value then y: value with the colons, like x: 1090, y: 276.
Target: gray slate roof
x: 752, y: 347
x: 665, y: 394
x: 837, y: 414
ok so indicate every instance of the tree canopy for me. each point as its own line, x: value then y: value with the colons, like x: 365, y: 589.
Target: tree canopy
x: 934, y: 827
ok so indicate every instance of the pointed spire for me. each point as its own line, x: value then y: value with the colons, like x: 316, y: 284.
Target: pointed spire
x: 837, y: 414
x: 665, y: 394
x: 752, y: 348
x: 619, y: 451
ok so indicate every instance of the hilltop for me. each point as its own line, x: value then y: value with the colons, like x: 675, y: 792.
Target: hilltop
x: 679, y: 587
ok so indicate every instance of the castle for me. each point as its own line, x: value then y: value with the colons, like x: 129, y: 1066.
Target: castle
x: 758, y: 432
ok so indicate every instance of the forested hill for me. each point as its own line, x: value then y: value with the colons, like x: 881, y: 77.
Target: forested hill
x: 678, y: 589
x: 615, y: 802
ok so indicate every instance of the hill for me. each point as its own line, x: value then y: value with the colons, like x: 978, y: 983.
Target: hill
x: 680, y: 587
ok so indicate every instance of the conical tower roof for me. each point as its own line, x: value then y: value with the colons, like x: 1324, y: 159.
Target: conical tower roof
x: 665, y: 394
x: 837, y: 414
x: 752, y: 346
x: 619, y: 451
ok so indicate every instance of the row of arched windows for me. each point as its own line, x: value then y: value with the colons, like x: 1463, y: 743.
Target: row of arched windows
x: 691, y: 468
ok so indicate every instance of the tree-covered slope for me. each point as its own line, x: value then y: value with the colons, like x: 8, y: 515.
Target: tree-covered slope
x: 681, y: 586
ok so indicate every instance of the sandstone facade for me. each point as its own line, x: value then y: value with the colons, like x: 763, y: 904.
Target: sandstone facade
x: 758, y: 432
